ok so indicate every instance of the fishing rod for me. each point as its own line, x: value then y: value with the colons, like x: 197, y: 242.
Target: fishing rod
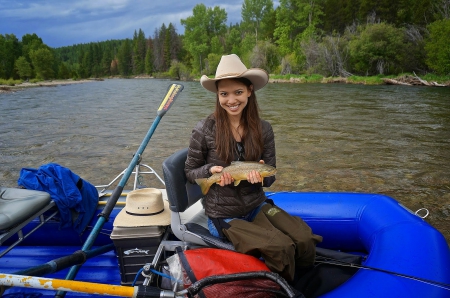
x: 172, y: 93
x: 331, y: 261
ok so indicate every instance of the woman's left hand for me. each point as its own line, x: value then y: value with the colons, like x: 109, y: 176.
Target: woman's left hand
x: 254, y: 176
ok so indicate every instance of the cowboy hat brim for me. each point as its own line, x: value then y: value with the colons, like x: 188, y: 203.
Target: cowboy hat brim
x: 123, y: 219
x: 257, y: 76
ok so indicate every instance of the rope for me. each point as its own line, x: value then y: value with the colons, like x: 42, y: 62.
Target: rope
x: 345, y: 264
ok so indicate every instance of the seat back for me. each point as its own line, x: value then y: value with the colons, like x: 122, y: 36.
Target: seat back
x: 181, y: 193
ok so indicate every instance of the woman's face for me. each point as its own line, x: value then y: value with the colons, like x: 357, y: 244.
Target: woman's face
x: 233, y: 96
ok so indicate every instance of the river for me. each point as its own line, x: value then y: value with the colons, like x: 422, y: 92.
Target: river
x: 393, y: 140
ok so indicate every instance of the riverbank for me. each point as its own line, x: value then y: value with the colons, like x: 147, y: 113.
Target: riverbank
x: 50, y: 83
x: 405, y: 80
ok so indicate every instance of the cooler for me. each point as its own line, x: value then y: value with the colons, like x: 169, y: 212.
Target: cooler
x: 135, y: 246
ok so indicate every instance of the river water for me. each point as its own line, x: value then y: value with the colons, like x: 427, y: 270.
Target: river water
x: 393, y: 140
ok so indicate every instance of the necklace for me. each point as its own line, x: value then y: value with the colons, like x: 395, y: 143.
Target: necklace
x: 237, y: 131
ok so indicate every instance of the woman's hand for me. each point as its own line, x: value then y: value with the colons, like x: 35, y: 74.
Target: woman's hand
x: 254, y: 176
x: 225, y: 179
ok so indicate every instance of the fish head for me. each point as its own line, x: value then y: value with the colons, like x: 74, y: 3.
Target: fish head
x: 267, y: 170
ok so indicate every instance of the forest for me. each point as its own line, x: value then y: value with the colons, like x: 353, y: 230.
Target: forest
x: 333, y: 38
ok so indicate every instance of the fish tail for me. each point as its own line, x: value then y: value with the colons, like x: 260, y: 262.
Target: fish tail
x: 204, y: 184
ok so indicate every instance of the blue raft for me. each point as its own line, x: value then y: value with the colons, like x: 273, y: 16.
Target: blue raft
x: 394, y: 239
x: 404, y: 256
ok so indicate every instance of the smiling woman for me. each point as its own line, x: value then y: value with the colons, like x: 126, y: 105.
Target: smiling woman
x: 238, y: 210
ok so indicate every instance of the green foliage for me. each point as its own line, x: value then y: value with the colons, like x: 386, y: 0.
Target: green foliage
x: 63, y: 71
x: 211, y: 63
x: 10, y: 82
x: 378, y: 49
x: 257, y: 16
x: 438, y: 47
x: 124, y: 57
x: 23, y: 68
x: 265, y: 55
x: 200, y: 28
x: 10, y: 51
x: 149, y: 61
x: 43, y: 60
x: 139, y: 51
x: 179, y: 71
x: 233, y: 41
x: 299, y: 36
x: 366, y: 80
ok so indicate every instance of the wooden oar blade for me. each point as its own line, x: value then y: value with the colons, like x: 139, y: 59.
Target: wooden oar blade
x: 172, y: 93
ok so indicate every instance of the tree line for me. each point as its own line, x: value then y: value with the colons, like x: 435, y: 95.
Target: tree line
x: 327, y: 37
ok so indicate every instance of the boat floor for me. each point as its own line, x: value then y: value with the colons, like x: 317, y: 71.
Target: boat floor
x: 101, y: 269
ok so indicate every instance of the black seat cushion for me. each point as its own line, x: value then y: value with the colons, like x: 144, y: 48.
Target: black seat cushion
x: 16, y: 205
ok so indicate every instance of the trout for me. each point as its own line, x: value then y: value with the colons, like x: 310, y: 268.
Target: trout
x: 238, y: 171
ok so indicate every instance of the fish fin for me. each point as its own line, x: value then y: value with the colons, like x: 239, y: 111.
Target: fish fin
x: 236, y: 182
x: 204, y: 184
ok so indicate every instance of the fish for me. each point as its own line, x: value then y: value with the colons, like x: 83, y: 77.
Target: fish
x: 239, y: 171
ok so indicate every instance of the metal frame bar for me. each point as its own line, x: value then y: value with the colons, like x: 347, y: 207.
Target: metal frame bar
x: 18, y: 229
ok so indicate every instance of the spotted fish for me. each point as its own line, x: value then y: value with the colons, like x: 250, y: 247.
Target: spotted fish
x: 238, y: 171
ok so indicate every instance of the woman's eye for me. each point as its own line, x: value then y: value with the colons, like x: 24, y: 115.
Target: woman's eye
x: 239, y: 92
x: 223, y: 94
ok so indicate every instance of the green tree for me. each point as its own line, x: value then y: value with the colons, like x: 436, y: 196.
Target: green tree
x: 199, y: 30
x: 23, y: 68
x: 124, y: 57
x: 378, y: 49
x: 211, y: 63
x: 257, y: 15
x: 43, y: 60
x: 233, y: 41
x: 63, y: 71
x: 437, y: 46
x: 296, y: 20
x: 149, y: 67
x: 11, y: 50
x: 139, y: 49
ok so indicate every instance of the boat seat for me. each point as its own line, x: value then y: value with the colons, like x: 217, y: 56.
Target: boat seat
x: 184, y: 198
x: 18, y: 207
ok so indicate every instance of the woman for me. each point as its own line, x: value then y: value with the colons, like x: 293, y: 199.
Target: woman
x: 242, y: 213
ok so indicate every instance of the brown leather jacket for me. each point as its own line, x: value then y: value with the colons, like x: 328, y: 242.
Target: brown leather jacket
x: 230, y: 200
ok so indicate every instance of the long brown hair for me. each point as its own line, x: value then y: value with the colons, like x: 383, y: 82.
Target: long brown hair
x: 251, y: 124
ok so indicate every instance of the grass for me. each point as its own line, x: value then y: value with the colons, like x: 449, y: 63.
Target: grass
x: 10, y: 82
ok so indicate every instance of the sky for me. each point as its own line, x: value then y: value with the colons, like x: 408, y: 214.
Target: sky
x: 67, y: 22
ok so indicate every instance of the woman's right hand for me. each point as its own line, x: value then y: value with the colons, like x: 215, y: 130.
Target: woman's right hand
x: 225, y: 179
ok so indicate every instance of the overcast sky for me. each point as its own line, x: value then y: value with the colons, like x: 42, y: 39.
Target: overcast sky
x: 63, y: 23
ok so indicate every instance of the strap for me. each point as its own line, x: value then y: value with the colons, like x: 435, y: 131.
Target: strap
x: 220, y: 224
x: 187, y: 268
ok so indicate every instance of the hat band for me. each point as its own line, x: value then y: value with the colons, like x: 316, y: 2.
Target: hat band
x: 145, y: 214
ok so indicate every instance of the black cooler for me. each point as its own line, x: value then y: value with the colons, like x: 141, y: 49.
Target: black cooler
x: 135, y: 247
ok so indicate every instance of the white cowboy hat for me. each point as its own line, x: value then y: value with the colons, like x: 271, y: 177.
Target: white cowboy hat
x: 144, y: 207
x: 230, y: 66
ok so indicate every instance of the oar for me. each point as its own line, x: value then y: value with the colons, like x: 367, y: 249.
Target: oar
x: 12, y: 280
x: 165, y: 105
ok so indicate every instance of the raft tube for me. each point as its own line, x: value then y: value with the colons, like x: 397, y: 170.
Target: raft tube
x: 393, y: 238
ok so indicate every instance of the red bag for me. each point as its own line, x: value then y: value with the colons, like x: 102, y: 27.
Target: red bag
x: 205, y: 262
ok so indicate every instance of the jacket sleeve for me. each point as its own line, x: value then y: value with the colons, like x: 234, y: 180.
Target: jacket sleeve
x: 269, y: 156
x: 196, y: 165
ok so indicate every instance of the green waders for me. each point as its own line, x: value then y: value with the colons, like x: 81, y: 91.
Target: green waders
x: 282, y: 240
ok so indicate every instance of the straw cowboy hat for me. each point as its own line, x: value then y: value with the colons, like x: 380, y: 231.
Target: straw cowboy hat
x: 144, y: 207
x: 230, y: 66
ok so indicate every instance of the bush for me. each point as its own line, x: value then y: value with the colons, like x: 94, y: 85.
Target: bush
x: 378, y: 49
x: 437, y: 47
